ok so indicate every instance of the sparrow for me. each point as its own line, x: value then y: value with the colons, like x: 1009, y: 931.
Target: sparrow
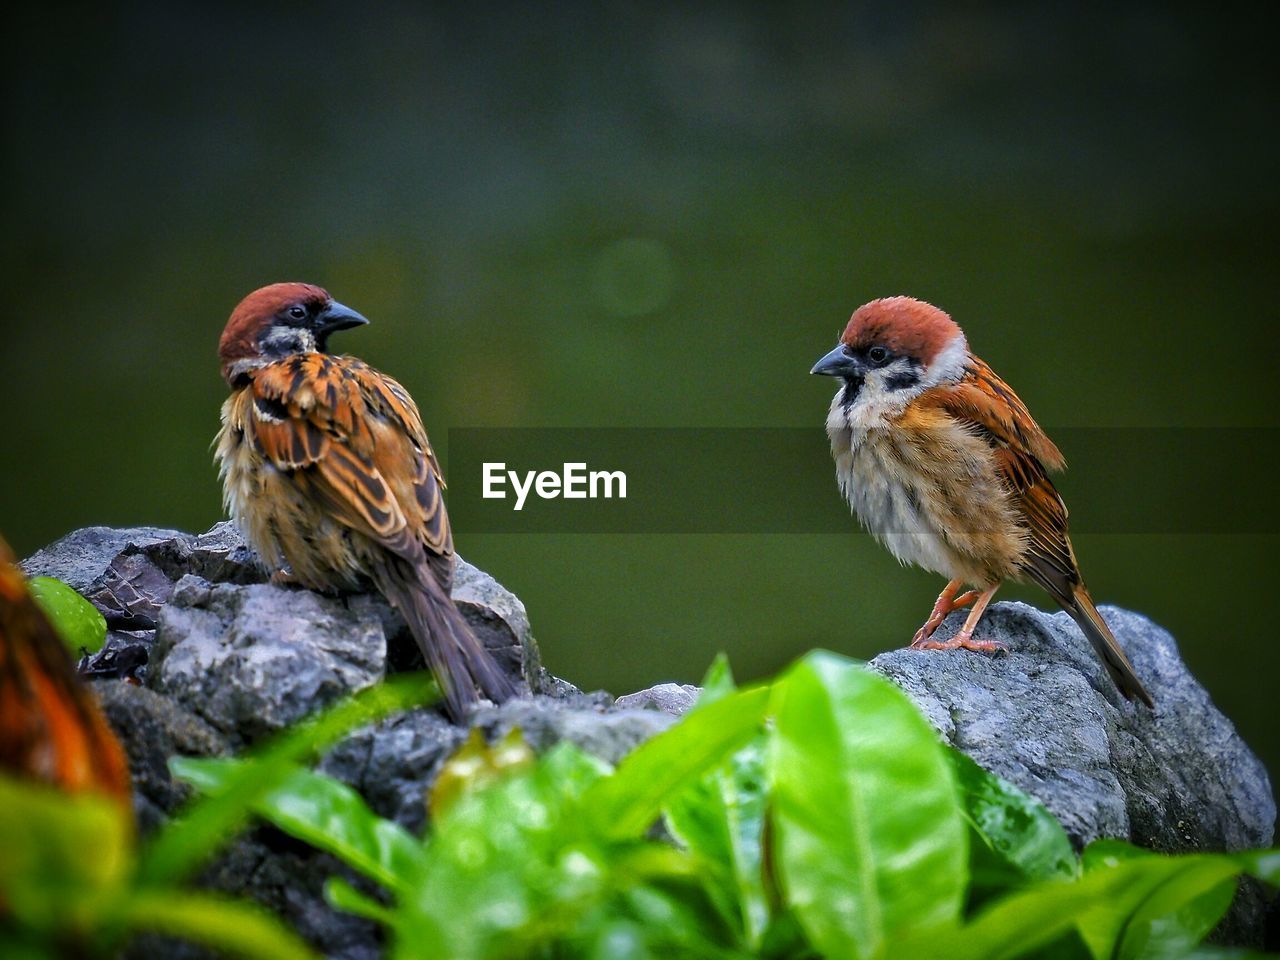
x: 944, y: 465
x: 327, y: 471
x: 51, y: 727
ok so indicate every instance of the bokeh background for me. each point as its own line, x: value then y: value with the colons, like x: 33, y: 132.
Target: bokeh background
x: 655, y: 214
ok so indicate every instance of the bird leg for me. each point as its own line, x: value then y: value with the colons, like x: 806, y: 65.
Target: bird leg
x: 964, y: 639
x: 947, y: 601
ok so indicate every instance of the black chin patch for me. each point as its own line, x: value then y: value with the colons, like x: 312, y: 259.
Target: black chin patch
x: 852, y: 386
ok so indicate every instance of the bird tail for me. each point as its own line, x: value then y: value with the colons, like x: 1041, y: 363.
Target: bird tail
x: 455, y: 655
x: 1085, y: 614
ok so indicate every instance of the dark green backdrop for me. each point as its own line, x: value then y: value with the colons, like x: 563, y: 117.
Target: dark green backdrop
x: 656, y: 215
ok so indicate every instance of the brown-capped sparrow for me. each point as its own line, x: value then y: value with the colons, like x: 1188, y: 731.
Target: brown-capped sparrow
x: 943, y: 464
x: 327, y: 471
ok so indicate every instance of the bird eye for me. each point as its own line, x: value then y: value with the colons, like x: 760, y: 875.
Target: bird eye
x: 297, y: 312
x: 878, y: 356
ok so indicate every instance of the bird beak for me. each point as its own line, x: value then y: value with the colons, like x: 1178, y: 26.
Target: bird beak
x: 336, y: 317
x: 838, y: 363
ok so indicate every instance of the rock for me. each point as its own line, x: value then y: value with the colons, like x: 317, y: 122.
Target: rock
x: 234, y: 658
x: 152, y: 728
x: 673, y: 698
x: 393, y: 763
x: 254, y: 659
x: 1046, y: 717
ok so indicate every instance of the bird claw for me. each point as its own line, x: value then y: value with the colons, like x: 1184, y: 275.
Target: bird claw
x: 959, y: 642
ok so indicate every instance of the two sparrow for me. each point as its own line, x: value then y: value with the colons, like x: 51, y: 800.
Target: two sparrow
x: 944, y: 465
x: 327, y: 471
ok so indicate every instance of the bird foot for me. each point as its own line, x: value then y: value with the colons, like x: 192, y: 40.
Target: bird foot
x: 961, y: 641
x: 947, y: 602
x: 284, y: 578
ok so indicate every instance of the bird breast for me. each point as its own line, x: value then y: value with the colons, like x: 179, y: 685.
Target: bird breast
x: 928, y: 490
x: 285, y: 525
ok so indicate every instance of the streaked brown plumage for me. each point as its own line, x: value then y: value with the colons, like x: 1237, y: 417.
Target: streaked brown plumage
x: 945, y: 466
x: 328, y: 472
x: 51, y: 727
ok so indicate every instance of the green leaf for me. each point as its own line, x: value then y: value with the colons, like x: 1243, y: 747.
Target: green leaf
x: 186, y: 842
x: 720, y: 818
x: 1015, y: 839
x: 627, y: 803
x: 717, y: 682
x: 1168, y: 918
x: 870, y: 839
x: 1102, y: 904
x: 476, y: 764
x: 64, y: 858
x: 324, y: 812
x: 509, y: 864
x: 1263, y: 864
x: 76, y: 620
x: 342, y: 896
x: 238, y: 927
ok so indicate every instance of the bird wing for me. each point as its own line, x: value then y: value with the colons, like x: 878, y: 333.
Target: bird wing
x: 355, y: 438
x: 1024, y: 454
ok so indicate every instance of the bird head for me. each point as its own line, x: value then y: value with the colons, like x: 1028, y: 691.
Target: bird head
x: 891, y: 351
x: 277, y: 321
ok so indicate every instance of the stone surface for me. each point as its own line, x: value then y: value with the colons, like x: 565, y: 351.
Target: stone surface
x: 234, y: 658
x: 1045, y: 717
x: 672, y: 698
x: 254, y: 659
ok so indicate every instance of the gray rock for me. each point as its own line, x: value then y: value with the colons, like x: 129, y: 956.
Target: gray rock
x: 394, y: 763
x: 1045, y: 717
x: 673, y: 698
x: 254, y: 659
x: 608, y: 733
x: 152, y: 728
x: 235, y: 658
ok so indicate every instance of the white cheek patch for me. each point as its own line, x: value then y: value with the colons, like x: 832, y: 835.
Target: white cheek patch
x: 948, y: 366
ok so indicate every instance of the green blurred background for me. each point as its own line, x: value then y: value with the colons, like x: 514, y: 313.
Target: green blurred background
x: 654, y: 214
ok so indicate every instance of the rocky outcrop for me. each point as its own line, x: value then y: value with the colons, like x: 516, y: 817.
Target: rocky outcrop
x: 226, y: 658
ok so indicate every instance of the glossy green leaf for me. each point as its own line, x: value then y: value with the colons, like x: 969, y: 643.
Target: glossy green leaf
x: 186, y: 842
x: 237, y: 927
x: 76, y: 620
x: 1101, y: 905
x: 870, y: 838
x: 509, y: 865
x: 721, y: 819
x: 321, y: 811
x: 1173, y: 916
x: 1015, y: 839
x: 627, y: 803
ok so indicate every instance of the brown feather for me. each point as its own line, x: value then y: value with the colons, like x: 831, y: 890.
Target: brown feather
x: 1021, y: 449
x: 336, y: 478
